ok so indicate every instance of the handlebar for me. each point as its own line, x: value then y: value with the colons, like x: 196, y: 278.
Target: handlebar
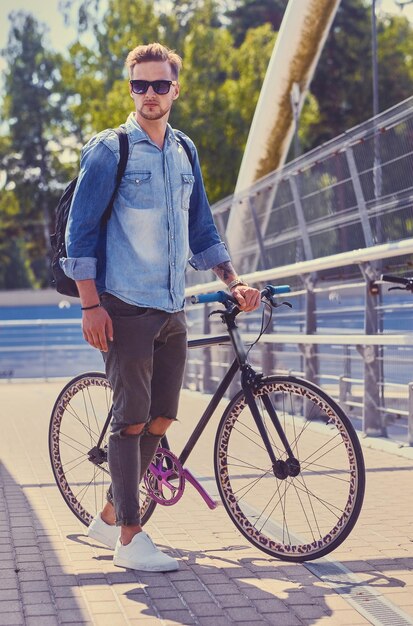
x: 223, y: 297
x: 398, y: 280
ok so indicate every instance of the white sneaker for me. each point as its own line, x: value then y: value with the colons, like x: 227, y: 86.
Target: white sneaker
x: 105, y: 533
x: 142, y: 554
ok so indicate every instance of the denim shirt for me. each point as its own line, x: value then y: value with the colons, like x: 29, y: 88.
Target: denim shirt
x: 160, y: 213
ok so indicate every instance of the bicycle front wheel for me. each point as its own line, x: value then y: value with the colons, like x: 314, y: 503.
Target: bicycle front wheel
x: 76, y: 423
x: 296, y: 518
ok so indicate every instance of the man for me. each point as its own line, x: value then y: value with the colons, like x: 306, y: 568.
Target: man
x: 130, y: 277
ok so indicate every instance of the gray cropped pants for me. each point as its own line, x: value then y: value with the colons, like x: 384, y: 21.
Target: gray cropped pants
x: 145, y: 366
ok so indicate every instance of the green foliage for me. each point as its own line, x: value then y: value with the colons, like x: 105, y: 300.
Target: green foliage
x: 249, y: 14
x: 33, y: 107
x: 54, y: 103
x: 395, y: 50
x: 15, y: 272
x: 203, y: 105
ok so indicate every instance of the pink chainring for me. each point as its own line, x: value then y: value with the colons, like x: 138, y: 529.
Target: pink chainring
x: 165, y: 478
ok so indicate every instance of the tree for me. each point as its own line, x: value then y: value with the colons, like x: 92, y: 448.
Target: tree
x: 33, y: 109
x: 395, y: 60
x: 249, y: 14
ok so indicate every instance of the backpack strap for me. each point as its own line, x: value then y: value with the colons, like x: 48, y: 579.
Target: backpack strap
x: 123, y: 159
x: 185, y: 146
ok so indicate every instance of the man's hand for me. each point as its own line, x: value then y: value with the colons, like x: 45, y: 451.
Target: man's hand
x: 248, y: 298
x: 97, y: 328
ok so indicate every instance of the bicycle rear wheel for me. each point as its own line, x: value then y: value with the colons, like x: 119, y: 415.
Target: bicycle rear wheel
x: 300, y: 517
x: 77, y: 420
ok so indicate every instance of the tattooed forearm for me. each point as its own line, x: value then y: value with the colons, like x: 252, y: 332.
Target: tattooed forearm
x: 225, y: 272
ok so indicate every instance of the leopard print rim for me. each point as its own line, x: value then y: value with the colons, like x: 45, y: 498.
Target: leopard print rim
x: 78, y: 385
x: 306, y: 550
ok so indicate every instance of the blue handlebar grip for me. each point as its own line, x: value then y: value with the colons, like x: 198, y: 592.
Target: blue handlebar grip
x: 217, y: 296
x: 278, y: 289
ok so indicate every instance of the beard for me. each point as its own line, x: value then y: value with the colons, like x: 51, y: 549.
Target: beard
x: 153, y: 111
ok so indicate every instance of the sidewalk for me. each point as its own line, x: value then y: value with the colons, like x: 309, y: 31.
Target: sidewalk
x: 51, y: 573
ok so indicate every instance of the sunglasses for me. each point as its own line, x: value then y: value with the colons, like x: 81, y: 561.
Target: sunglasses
x: 161, y: 87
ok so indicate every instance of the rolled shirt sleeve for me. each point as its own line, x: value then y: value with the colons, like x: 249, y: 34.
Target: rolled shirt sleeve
x: 95, y: 186
x: 212, y: 256
x: 83, y: 268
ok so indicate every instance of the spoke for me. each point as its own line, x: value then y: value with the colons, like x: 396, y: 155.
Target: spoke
x: 328, y: 505
x: 305, y: 512
x: 78, y: 460
x: 326, y: 471
x: 285, y: 525
x: 70, y: 445
x: 250, y: 485
x: 86, y: 411
x: 72, y: 411
x: 249, y: 438
x: 277, y: 491
x: 280, y: 500
x: 311, y: 506
x: 327, y: 443
x: 94, y: 490
x: 83, y: 491
x: 66, y: 464
x: 306, y: 425
x: 244, y: 463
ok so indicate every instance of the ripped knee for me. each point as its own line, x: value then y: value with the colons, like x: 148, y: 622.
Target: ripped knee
x: 159, y: 425
x: 133, y: 429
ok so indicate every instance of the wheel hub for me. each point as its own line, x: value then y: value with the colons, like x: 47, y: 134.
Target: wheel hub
x: 97, y: 456
x: 283, y: 469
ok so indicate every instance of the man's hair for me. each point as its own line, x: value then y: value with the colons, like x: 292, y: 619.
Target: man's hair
x: 154, y: 52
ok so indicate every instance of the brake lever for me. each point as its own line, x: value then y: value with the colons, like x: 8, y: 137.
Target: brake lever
x: 400, y: 288
x: 276, y: 305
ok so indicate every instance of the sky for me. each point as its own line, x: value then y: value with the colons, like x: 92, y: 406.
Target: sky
x: 62, y: 36
x: 45, y: 11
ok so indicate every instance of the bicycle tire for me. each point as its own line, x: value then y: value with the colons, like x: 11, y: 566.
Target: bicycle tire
x: 76, y: 422
x: 298, y: 518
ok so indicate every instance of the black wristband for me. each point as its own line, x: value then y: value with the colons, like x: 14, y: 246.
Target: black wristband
x: 87, y: 308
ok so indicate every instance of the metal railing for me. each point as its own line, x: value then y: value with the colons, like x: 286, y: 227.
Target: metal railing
x: 330, y: 222
x: 334, y: 199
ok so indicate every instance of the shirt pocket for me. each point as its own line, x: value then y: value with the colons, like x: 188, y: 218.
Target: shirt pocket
x: 138, y: 190
x: 187, y: 186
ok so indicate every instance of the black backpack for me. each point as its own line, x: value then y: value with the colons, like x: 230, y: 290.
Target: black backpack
x: 62, y: 283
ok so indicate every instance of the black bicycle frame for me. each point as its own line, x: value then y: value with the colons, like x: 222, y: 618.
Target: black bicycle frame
x: 248, y: 379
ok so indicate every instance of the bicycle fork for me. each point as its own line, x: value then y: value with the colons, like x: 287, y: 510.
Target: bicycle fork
x: 282, y: 469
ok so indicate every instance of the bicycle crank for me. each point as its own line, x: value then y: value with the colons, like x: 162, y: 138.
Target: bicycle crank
x: 165, y: 480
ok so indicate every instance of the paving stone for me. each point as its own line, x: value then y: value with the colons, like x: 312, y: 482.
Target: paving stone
x: 72, y: 616
x: 285, y: 619
x: 180, y: 617
x: 43, y: 620
x: 8, y: 606
x: 214, y: 620
x: 248, y: 586
x: 40, y: 609
x: 9, y: 594
x: 10, y: 619
x: 169, y: 604
x: 195, y: 597
x: 243, y: 614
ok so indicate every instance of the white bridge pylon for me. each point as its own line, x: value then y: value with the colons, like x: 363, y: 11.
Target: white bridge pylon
x: 299, y: 43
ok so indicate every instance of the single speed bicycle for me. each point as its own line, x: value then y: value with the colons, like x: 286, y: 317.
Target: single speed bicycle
x: 288, y: 463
